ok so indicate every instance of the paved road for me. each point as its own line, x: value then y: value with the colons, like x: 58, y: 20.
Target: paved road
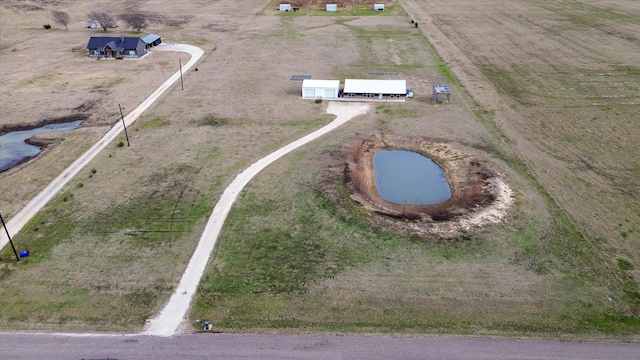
x: 170, y: 319
x: 244, y: 346
x: 19, y: 220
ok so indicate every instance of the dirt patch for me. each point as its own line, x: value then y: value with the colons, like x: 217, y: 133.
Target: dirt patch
x: 479, y: 195
x: 23, y: 7
x: 176, y: 21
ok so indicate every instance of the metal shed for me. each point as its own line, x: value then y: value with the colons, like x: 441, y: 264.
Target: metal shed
x: 151, y: 40
x: 332, y: 7
x: 374, y: 89
x: 284, y: 7
x: 440, y: 93
x: 326, y: 89
x: 378, y: 7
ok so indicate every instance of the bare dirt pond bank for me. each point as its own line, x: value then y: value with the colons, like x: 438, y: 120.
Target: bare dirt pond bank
x: 479, y: 194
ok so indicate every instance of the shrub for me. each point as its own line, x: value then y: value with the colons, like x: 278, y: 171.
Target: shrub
x: 625, y: 265
x: 46, y: 26
x: 212, y: 120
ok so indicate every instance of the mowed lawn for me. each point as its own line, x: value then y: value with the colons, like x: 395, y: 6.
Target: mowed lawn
x: 297, y: 254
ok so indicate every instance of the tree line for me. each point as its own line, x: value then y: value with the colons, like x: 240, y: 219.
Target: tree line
x: 106, y: 20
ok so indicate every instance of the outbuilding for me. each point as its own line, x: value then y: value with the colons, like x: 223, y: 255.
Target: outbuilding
x: 378, y: 7
x: 151, y: 40
x: 373, y: 89
x: 332, y: 7
x: 325, y: 89
x: 441, y: 93
x: 284, y: 7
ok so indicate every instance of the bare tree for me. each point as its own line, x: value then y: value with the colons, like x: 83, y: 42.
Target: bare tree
x: 134, y: 21
x: 106, y: 21
x: 61, y: 18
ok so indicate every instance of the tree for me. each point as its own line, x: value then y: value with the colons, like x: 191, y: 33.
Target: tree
x: 134, y: 21
x: 61, y: 18
x: 106, y: 21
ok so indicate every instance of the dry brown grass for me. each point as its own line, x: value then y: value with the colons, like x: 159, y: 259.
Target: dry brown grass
x: 262, y: 109
x: 153, y: 198
x: 562, y: 81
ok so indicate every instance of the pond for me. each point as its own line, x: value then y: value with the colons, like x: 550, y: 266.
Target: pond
x: 14, y: 149
x: 406, y: 177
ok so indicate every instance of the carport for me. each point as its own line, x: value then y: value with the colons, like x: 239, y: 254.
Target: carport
x: 373, y: 89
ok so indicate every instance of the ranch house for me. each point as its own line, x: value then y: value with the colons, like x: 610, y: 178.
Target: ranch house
x: 116, y: 47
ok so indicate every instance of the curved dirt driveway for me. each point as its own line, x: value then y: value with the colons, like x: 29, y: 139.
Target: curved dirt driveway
x: 167, y: 323
x: 15, y: 224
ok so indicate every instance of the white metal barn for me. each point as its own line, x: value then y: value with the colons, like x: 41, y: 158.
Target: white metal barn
x: 284, y: 7
x: 378, y: 7
x: 331, y: 7
x: 373, y: 89
x: 326, y: 89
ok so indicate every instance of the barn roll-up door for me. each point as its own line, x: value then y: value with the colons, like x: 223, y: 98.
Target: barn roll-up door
x: 330, y: 93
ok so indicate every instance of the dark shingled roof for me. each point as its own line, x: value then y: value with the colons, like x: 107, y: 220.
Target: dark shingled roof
x: 116, y: 43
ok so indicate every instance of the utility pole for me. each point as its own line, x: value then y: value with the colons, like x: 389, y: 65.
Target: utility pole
x: 123, y: 125
x: 181, y: 82
x: 9, y: 236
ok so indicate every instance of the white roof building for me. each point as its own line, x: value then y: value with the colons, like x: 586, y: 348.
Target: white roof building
x: 374, y: 86
x: 312, y: 88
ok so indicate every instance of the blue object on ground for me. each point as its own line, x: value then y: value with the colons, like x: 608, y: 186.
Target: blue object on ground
x: 24, y: 253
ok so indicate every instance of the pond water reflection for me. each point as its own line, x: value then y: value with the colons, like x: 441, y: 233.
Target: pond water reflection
x: 14, y: 149
x: 406, y: 177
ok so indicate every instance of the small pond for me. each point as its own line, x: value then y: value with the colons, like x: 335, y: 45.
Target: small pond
x: 14, y: 149
x: 406, y: 177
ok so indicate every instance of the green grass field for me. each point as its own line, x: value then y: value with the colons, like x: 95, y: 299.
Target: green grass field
x: 290, y: 260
